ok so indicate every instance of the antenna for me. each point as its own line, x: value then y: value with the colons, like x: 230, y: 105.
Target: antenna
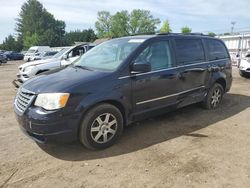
x: 232, y: 28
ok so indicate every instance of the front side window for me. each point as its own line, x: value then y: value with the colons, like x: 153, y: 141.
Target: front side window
x: 157, y: 54
x: 216, y: 50
x: 109, y: 55
x: 189, y: 51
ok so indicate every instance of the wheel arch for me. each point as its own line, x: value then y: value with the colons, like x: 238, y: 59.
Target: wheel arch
x: 222, y: 82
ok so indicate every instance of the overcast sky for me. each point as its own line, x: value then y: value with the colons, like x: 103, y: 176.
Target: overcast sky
x: 200, y: 15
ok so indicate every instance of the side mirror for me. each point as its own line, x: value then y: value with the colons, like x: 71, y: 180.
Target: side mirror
x: 140, y: 67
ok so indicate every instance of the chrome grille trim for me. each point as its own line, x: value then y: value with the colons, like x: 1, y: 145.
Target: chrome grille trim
x: 23, y: 99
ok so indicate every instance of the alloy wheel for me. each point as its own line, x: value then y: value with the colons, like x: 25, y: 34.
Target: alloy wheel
x: 103, y: 128
x: 216, y: 97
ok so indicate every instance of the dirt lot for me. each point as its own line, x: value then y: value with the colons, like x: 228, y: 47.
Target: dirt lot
x: 191, y: 147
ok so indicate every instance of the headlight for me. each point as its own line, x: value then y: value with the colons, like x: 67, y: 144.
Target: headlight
x: 52, y: 101
x: 28, y: 69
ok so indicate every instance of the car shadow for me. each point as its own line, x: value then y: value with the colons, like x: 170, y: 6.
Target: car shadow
x: 146, y: 133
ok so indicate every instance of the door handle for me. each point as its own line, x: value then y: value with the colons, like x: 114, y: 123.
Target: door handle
x: 180, y: 76
x: 213, y: 68
x: 195, y: 70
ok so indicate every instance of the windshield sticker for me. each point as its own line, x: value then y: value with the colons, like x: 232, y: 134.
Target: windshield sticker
x: 136, y: 40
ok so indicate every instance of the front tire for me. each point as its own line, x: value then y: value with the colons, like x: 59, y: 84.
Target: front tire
x: 214, y: 97
x: 243, y: 74
x: 101, y: 127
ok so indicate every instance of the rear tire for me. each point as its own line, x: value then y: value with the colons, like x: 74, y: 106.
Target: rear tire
x: 214, y: 97
x: 101, y: 127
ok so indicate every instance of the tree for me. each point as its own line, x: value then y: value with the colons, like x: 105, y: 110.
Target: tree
x: 119, y: 24
x: 36, y: 25
x: 186, y: 30
x: 11, y: 44
x: 30, y: 40
x: 165, y: 27
x: 212, y: 34
x: 122, y: 23
x: 79, y: 36
x: 142, y: 22
x: 103, y: 24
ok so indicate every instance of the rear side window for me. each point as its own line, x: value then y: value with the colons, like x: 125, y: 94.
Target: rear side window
x: 189, y: 51
x: 216, y: 50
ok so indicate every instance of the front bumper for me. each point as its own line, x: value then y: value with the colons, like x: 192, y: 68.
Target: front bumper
x: 245, y: 69
x: 51, y: 126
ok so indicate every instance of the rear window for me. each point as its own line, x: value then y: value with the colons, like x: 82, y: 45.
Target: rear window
x: 189, y: 51
x: 216, y: 50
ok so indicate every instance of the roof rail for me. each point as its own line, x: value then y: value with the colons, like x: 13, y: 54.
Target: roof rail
x: 199, y: 34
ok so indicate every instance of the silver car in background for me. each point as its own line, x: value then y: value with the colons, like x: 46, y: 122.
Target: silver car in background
x: 64, y: 57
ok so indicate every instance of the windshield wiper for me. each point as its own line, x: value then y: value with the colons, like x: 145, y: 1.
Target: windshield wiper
x: 82, y: 67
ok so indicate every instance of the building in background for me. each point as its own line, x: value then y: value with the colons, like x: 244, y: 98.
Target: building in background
x: 237, y: 44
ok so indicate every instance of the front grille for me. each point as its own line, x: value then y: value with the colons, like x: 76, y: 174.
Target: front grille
x: 23, y: 99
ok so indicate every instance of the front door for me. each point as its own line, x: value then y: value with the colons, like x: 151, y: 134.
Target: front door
x: 157, y: 88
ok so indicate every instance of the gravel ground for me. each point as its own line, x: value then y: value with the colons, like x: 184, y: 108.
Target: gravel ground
x: 190, y: 147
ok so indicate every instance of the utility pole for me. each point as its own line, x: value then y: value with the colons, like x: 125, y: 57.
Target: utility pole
x: 232, y: 28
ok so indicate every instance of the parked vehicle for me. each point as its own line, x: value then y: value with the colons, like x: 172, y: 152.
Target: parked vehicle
x: 244, y: 67
x: 23, y: 52
x: 62, y: 58
x: 13, y: 55
x: 3, y: 59
x: 122, y: 81
x: 2, y: 51
x: 34, y: 51
x: 43, y: 55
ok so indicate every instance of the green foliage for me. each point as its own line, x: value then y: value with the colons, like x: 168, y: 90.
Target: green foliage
x: 36, y: 25
x: 165, y: 27
x: 122, y: 23
x: 186, y: 29
x: 30, y: 41
x: 103, y: 24
x: 226, y: 34
x: 10, y: 44
x: 212, y: 34
x: 79, y: 36
x: 141, y: 21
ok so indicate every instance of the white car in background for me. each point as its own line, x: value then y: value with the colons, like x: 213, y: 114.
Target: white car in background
x: 34, y: 51
x: 64, y: 57
x: 244, y: 67
x: 43, y: 55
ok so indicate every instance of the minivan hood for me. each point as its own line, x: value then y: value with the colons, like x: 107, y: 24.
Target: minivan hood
x: 62, y: 79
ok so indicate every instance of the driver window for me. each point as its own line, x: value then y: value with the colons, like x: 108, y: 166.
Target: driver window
x: 157, y: 54
x: 76, y: 52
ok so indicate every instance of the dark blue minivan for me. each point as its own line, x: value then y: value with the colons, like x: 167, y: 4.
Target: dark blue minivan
x: 121, y: 81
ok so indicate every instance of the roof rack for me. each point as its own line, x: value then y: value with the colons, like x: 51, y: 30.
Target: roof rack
x: 198, y: 34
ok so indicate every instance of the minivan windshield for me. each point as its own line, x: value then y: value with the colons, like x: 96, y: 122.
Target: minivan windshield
x: 108, y: 55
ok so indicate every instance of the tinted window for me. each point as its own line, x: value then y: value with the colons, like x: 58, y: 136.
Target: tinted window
x: 157, y: 54
x: 216, y: 50
x: 189, y: 51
